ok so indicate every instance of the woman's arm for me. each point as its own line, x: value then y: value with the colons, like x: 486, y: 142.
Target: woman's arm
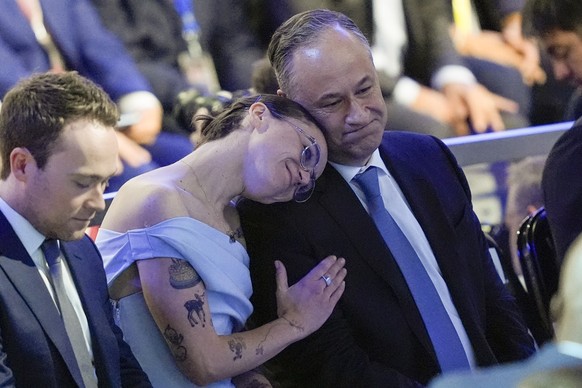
x: 183, y: 316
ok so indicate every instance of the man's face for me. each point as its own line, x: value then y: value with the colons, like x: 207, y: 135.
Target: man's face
x: 335, y: 80
x: 565, y: 50
x: 63, y: 197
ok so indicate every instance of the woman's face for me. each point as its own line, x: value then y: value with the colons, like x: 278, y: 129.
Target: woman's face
x: 285, y: 157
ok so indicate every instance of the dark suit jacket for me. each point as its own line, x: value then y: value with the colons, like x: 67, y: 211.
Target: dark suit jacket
x: 376, y: 337
x: 34, y: 350
x: 562, y: 188
x: 85, y: 44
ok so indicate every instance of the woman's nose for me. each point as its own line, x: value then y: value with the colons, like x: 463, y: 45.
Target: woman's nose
x: 304, y: 177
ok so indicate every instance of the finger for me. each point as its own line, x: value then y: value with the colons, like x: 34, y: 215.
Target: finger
x: 337, y: 293
x: 478, y: 119
x: 281, y: 276
x: 483, y: 120
x: 505, y: 104
x: 322, y: 267
x: 336, y: 283
x: 461, y: 127
x: 336, y: 267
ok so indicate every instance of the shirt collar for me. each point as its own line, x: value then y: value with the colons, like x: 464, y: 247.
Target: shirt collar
x: 572, y: 349
x: 349, y: 172
x: 28, y: 235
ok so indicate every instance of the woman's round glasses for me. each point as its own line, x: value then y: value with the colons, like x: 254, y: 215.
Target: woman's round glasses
x: 309, y: 159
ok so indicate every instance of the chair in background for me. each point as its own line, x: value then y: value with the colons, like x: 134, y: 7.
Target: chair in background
x: 496, y: 241
x: 540, y: 268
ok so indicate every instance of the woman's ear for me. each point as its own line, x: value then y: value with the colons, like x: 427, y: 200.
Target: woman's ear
x: 258, y: 113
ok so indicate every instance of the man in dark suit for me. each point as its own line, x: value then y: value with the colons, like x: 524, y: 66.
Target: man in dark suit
x: 558, y: 24
x: 377, y: 335
x: 564, y: 352
x: 58, y: 150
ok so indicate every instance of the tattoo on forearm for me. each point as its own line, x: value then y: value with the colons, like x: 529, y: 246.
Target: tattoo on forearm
x: 196, y: 306
x: 182, y: 275
x: 237, y: 345
x: 175, y: 339
x: 294, y: 324
x: 260, y: 349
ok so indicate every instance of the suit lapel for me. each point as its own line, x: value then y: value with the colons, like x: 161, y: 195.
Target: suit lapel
x: 365, y: 237
x: 84, y: 262
x: 22, y: 272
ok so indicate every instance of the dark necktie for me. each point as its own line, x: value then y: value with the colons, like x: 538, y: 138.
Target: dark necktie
x: 445, y: 340
x: 52, y: 252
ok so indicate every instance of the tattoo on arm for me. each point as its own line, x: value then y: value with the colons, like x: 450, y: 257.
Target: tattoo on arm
x: 237, y: 345
x: 196, y: 305
x: 175, y: 339
x: 260, y: 349
x: 182, y: 275
x: 294, y: 324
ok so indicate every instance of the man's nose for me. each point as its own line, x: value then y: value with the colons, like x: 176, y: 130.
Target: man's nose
x: 357, y: 112
x: 561, y: 70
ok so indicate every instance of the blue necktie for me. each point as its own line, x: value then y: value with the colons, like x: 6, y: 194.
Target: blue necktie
x: 444, y: 337
x: 52, y: 254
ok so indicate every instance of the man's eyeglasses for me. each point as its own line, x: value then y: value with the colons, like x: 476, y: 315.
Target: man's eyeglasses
x: 309, y: 159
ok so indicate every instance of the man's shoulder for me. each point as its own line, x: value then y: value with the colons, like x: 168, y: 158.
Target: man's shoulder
x: 398, y: 139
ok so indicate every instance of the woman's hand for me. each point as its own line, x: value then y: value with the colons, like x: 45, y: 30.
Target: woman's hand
x: 307, y: 304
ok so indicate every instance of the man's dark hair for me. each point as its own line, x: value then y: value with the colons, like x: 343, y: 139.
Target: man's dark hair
x: 35, y: 112
x: 542, y: 17
x: 303, y: 30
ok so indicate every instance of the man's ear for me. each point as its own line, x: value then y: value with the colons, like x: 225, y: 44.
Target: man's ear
x: 258, y: 113
x: 21, y: 162
x: 281, y: 93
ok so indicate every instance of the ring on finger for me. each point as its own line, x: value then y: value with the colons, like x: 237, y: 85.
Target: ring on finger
x: 327, y: 279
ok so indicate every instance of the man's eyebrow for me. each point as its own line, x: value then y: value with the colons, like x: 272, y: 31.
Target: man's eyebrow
x: 331, y: 95
x: 92, y: 177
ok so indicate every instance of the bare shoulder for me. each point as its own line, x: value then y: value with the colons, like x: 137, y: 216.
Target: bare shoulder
x: 144, y: 201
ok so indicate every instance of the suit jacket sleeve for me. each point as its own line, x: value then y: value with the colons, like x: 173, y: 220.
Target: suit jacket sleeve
x: 562, y: 188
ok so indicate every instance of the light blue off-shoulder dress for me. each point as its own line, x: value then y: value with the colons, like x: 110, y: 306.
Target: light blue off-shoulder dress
x: 223, y: 266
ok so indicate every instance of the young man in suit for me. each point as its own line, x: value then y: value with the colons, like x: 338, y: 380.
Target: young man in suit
x: 379, y: 334
x: 58, y: 149
x: 558, y: 25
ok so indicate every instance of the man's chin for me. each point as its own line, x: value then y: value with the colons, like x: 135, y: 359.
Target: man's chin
x: 72, y: 235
